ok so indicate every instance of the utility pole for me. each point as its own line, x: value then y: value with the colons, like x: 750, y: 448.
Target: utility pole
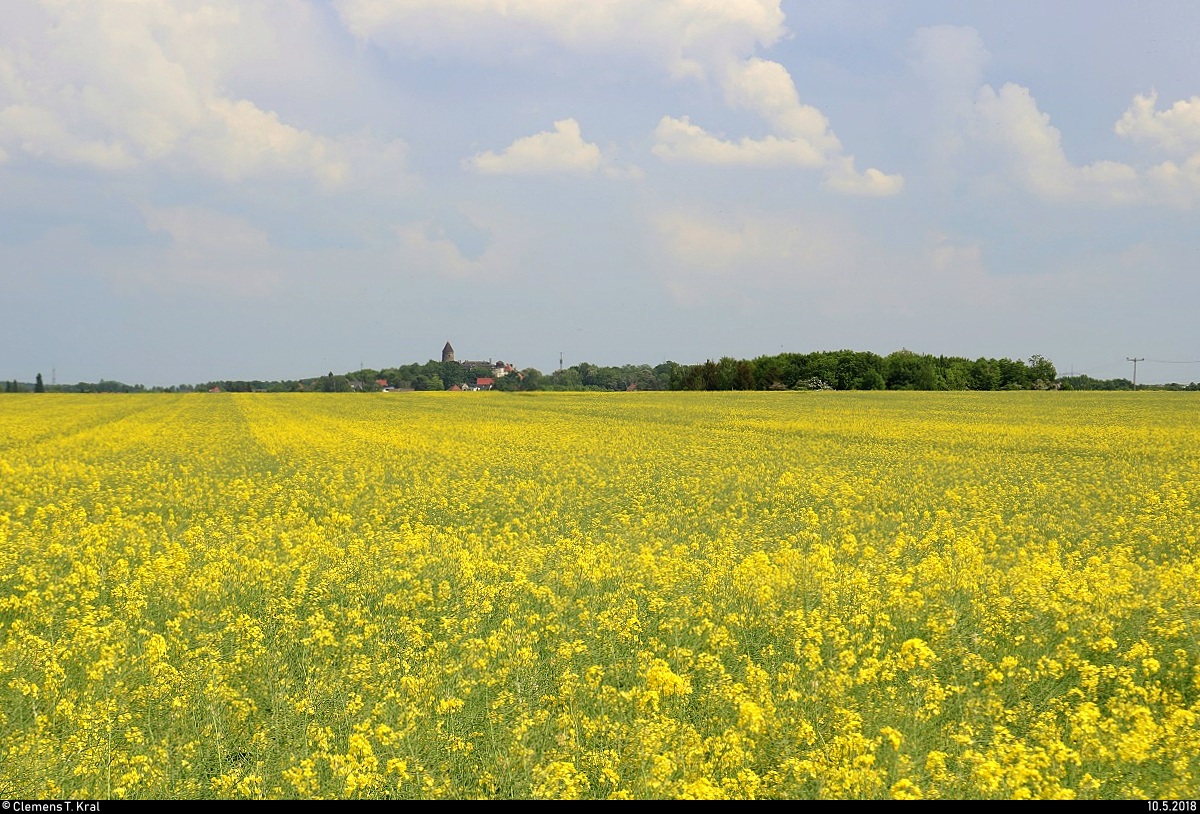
x: 1135, y: 360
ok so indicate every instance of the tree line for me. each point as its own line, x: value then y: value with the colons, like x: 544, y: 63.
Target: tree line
x: 863, y: 370
x: 820, y: 370
x: 1084, y: 382
x: 832, y: 370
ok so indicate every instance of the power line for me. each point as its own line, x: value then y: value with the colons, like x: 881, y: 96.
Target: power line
x: 1095, y: 370
x: 1172, y: 362
x: 1135, y: 360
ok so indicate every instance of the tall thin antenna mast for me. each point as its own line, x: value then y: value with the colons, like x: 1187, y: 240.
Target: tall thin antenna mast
x: 1135, y: 360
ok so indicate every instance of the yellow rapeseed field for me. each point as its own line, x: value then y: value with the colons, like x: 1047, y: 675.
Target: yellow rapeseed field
x: 644, y: 595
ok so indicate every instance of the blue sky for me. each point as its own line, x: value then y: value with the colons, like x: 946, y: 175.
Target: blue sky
x: 268, y: 190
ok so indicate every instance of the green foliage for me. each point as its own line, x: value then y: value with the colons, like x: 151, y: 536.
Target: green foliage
x: 1082, y: 382
x: 859, y: 370
x: 834, y: 370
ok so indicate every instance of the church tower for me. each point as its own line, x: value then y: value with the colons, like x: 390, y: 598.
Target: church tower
x: 448, y: 353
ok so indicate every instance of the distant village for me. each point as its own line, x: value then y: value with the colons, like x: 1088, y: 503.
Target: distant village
x: 449, y: 374
x: 498, y: 370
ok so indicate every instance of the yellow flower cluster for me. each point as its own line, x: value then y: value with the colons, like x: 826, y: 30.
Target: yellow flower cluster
x: 621, y: 596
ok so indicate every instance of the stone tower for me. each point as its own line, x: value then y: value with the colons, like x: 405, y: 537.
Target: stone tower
x: 448, y: 353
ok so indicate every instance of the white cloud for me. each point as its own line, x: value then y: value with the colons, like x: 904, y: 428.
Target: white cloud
x: 802, y: 137
x: 680, y: 140
x: 685, y: 36
x: 1009, y: 120
x: 766, y: 88
x: 1177, y: 184
x: 247, y: 140
x: 118, y: 85
x: 38, y: 132
x: 714, y: 42
x: 1176, y: 129
x: 561, y: 150
x: 1026, y: 149
x: 841, y: 176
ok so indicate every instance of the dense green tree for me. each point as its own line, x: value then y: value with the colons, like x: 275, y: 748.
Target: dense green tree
x: 985, y: 374
x: 568, y: 379
x: 905, y: 370
x: 518, y: 381
x: 855, y: 370
x: 330, y: 383
x: 530, y: 379
x: 726, y: 373
x: 872, y: 380
x: 38, y: 386
x: 769, y: 371
x: 1041, y: 371
x: 1014, y: 375
x: 664, y: 373
x: 450, y: 373
x: 428, y: 382
x: 1083, y: 382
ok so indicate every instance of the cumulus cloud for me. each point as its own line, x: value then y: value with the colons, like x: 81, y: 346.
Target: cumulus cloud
x: 767, y: 89
x: 1176, y: 129
x: 1027, y: 150
x: 114, y: 86
x: 764, y: 87
x: 801, y: 137
x: 1009, y: 120
x: 694, y: 39
x: 39, y: 132
x: 685, y: 36
x: 680, y: 140
x: 561, y: 150
x: 841, y: 176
